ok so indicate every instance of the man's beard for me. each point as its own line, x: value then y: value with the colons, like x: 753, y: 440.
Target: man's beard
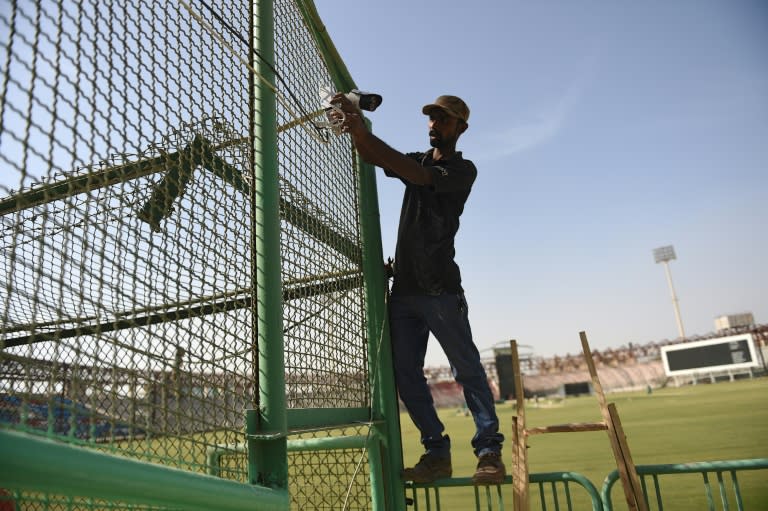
x: 435, y: 139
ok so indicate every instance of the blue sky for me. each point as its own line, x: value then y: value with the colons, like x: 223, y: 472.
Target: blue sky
x: 601, y: 130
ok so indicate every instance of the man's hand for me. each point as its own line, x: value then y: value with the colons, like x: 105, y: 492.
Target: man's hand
x: 353, y: 122
x: 372, y: 149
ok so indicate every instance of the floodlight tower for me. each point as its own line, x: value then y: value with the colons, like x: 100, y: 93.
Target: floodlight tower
x: 665, y: 255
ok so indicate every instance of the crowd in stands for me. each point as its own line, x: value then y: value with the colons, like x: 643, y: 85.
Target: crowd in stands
x: 610, y: 357
x: 628, y: 366
x: 631, y: 354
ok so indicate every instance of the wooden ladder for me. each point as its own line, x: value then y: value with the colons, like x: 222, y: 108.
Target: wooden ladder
x: 633, y: 492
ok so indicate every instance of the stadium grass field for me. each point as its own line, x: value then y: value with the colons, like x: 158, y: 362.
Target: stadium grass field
x: 705, y: 422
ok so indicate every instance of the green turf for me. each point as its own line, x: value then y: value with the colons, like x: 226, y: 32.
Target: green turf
x: 727, y: 420
x: 724, y: 421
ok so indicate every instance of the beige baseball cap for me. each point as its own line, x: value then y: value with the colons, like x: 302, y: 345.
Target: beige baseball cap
x: 452, y: 105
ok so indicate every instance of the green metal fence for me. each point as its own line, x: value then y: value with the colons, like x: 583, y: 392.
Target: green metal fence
x: 548, y: 491
x: 716, y: 486
x: 189, y: 264
x: 728, y: 494
x: 192, y: 300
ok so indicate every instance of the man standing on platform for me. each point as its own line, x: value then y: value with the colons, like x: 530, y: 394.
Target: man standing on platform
x: 427, y: 295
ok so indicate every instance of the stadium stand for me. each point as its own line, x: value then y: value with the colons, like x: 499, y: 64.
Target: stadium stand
x: 629, y: 367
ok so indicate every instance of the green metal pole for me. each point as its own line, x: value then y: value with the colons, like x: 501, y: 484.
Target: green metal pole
x: 42, y: 465
x: 266, y: 427
x: 388, y: 490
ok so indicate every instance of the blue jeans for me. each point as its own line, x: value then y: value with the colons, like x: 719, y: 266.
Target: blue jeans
x: 412, y: 318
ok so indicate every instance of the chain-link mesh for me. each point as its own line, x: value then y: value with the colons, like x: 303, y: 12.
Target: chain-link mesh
x: 39, y: 502
x: 343, y: 474
x: 327, y: 480
x: 324, y: 329
x: 127, y: 320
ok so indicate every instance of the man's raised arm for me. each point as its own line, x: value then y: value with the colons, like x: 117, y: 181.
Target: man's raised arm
x: 374, y: 150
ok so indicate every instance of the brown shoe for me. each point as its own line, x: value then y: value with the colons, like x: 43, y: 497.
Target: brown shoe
x: 429, y: 468
x: 490, y: 469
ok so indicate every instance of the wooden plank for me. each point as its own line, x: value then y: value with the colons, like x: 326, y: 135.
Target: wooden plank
x: 519, y: 475
x: 596, y: 385
x: 633, y: 493
x: 633, y: 479
x: 520, y: 463
x: 573, y: 427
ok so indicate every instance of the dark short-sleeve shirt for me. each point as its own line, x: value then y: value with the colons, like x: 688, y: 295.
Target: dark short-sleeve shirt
x: 429, y: 220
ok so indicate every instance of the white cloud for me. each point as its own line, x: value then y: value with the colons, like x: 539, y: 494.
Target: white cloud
x: 540, y: 125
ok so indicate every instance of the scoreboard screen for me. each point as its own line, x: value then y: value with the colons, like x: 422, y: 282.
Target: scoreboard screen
x: 724, y: 353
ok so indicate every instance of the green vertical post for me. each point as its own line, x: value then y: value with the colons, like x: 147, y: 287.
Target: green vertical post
x: 266, y: 427
x: 385, y: 453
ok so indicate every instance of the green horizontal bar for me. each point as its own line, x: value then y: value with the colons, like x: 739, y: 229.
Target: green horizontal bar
x: 542, y: 477
x: 681, y: 468
x: 328, y: 443
x: 319, y: 287
x: 214, y: 453
x: 301, y: 444
x: 300, y: 418
x: 99, y: 178
x: 179, y: 167
x: 139, y: 321
x: 39, y: 464
x: 703, y: 466
x: 451, y: 482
